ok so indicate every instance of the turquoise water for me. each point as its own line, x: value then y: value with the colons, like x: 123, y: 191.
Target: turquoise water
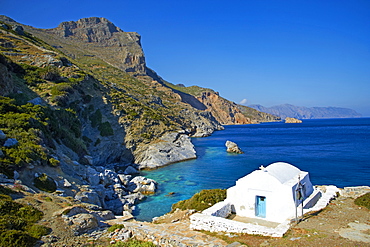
x: 333, y: 151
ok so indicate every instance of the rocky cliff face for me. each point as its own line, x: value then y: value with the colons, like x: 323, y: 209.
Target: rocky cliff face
x: 224, y: 111
x: 101, y: 38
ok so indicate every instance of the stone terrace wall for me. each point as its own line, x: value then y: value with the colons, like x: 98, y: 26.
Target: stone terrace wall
x: 213, y: 220
x: 210, y: 223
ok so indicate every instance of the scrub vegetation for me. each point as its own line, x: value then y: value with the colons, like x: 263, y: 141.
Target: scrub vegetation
x: 202, y: 200
x: 363, y: 201
x: 17, y: 222
x: 133, y: 243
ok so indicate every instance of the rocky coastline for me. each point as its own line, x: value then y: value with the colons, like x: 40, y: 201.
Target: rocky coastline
x: 292, y: 120
x: 84, y: 222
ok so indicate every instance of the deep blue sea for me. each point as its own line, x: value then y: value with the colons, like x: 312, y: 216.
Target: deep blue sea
x: 333, y: 151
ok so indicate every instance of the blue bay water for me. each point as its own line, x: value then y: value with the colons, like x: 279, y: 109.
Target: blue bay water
x: 333, y: 151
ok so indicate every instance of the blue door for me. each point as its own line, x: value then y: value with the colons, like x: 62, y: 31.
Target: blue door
x: 261, y: 206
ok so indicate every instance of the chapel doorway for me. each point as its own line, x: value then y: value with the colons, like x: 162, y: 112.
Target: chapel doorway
x: 261, y: 206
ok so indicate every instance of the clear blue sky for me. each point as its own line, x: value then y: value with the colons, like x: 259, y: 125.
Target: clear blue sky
x: 269, y: 52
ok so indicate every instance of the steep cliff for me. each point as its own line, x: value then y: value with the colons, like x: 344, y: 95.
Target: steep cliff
x: 100, y: 37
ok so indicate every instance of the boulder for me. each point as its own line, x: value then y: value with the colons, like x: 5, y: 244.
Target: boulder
x: 2, y: 135
x: 18, y: 29
x: 131, y: 171
x: 36, y: 101
x: 109, y: 177
x: 93, y: 177
x: 4, y: 26
x: 170, y: 148
x: 143, y: 185
x: 66, y: 183
x: 89, y: 196
x: 89, y: 159
x: 5, y: 179
x: 116, y: 206
x: 125, y: 179
x: 232, y: 147
x: 104, y: 215
x: 82, y: 223
x: 10, y: 142
x: 16, y: 175
x: 292, y: 120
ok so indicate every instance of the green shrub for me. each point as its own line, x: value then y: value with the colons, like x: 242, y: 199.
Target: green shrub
x: 29, y: 213
x: 5, y: 191
x: 45, y: 183
x: 86, y: 98
x: 13, y: 238
x: 54, y: 162
x: 363, y: 201
x: 61, y: 89
x: 96, y: 118
x: 97, y: 142
x: 114, y: 227
x: 105, y: 129
x: 133, y: 243
x: 17, y: 226
x: 11, y: 222
x: 50, y: 73
x: 201, y: 200
x: 27, y: 124
x: 8, y: 206
x: 31, y: 74
x: 37, y: 231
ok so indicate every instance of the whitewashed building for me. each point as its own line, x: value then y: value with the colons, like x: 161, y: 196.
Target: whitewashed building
x: 272, y: 193
x: 277, y: 194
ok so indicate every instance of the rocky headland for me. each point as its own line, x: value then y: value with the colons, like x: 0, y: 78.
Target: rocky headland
x: 292, y: 120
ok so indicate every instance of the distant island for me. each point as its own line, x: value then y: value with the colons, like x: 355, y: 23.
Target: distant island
x: 301, y: 112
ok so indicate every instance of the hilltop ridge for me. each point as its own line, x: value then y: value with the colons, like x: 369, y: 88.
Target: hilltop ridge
x: 301, y: 112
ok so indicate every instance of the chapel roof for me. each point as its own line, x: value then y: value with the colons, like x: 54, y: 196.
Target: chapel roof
x: 282, y: 171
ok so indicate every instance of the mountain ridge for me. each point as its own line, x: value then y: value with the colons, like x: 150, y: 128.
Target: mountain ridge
x: 301, y: 112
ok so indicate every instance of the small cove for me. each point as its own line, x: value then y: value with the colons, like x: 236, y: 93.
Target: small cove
x: 333, y: 151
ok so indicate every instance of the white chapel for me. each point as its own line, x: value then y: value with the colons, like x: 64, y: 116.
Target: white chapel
x: 272, y: 193
x: 277, y: 194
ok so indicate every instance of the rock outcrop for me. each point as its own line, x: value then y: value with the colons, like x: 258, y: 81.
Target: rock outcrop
x: 224, y: 111
x: 232, y: 147
x: 122, y: 49
x: 292, y: 120
x: 172, y: 147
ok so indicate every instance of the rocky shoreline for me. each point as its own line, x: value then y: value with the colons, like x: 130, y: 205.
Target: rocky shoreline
x: 84, y: 223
